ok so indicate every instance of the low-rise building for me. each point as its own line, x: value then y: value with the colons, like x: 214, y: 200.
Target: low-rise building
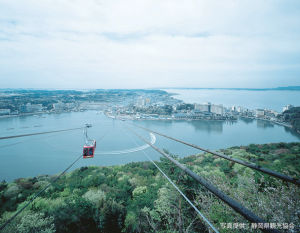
x: 288, y: 107
x: 16, y: 112
x: 29, y: 108
x: 140, y: 102
x: 22, y: 108
x: 58, y: 106
x: 36, y: 107
x: 70, y: 106
x: 4, y: 112
x: 260, y: 112
x: 179, y: 115
x: 240, y: 109
x: 147, y: 101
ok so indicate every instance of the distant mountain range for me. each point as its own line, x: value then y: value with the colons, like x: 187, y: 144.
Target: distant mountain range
x: 296, y: 88
x: 288, y: 88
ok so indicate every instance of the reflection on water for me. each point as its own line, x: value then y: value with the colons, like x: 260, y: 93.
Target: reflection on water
x: 247, y: 120
x: 50, y: 154
x: 292, y: 131
x: 208, y: 126
x: 264, y: 124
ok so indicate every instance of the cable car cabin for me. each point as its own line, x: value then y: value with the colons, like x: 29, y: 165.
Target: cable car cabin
x: 89, y: 150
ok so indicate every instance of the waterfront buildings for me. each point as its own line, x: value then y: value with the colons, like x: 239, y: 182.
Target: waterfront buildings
x: 58, y: 106
x: 140, y: 102
x: 287, y: 107
x: 217, y: 109
x: 4, y: 112
x: 29, y: 108
x: 260, y: 113
x: 206, y: 107
x: 211, y: 108
x: 36, y: 108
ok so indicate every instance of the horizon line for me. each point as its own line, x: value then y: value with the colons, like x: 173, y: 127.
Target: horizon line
x: 159, y: 88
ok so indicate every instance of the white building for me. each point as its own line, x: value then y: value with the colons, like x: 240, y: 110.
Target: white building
x: 288, y: 107
x: 217, y: 109
x: 260, y: 112
x: 36, y: 107
x: 240, y: 109
x: 141, y: 102
x: 58, y: 106
x: 70, y: 105
x: 28, y: 107
x: 206, y: 107
x: 275, y: 113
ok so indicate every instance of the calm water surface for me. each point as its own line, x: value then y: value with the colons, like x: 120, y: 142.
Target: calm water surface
x: 52, y: 153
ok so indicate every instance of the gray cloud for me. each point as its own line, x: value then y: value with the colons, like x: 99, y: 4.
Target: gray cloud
x: 149, y: 43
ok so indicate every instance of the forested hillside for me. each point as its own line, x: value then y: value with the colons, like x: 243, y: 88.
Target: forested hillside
x: 136, y: 198
x: 293, y: 116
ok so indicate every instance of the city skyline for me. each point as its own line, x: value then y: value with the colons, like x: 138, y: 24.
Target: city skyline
x: 149, y: 44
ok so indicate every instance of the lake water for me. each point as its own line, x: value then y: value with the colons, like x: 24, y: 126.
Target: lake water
x: 52, y: 153
x: 270, y: 99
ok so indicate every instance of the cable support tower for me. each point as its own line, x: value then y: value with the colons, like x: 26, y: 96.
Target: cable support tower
x: 244, y: 163
x: 33, y: 134
x: 181, y: 193
x: 236, y: 206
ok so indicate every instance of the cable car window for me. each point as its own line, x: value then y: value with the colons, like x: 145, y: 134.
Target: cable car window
x: 91, y: 151
x: 85, y: 152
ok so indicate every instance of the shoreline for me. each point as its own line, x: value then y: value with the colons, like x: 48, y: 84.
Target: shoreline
x: 153, y: 119
x: 53, y: 175
x: 274, y: 122
x: 36, y: 113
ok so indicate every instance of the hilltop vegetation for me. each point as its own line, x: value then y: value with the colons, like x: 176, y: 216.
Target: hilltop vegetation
x: 293, y: 116
x: 136, y: 198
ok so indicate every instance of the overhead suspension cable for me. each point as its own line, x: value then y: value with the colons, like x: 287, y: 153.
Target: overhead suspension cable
x: 25, y: 140
x: 44, y: 189
x: 244, y: 163
x: 32, y: 134
x: 38, y: 194
x: 218, y: 193
x: 181, y: 193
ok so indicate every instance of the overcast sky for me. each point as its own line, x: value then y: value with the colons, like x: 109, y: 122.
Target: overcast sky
x: 149, y: 43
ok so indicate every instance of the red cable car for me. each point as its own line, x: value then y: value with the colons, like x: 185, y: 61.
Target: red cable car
x: 89, y: 150
x: 89, y: 146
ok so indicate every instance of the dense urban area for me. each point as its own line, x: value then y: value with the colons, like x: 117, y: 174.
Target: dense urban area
x: 134, y: 105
